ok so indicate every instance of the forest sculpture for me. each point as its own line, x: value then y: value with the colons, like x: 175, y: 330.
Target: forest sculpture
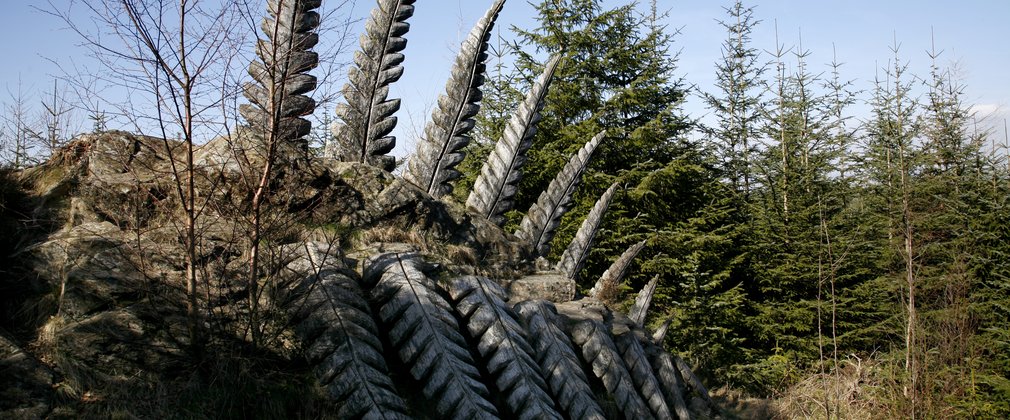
x: 389, y: 328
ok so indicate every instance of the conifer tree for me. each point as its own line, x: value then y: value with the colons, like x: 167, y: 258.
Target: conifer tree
x: 892, y: 157
x: 737, y: 107
x: 795, y: 211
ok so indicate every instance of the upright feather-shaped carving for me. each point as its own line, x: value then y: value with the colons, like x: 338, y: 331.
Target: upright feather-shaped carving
x: 606, y: 287
x: 669, y: 379
x: 277, y: 98
x: 577, y: 251
x: 693, y: 382
x: 538, y: 227
x: 502, y: 343
x: 333, y: 320
x: 426, y: 337
x: 642, y: 302
x: 660, y: 333
x: 495, y: 187
x: 559, y: 362
x: 433, y: 166
x: 638, y: 366
x: 600, y: 352
x: 367, y: 116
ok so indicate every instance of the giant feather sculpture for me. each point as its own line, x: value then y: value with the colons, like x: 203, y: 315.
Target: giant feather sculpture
x: 334, y: 321
x: 559, y: 362
x: 277, y: 95
x: 606, y: 287
x: 495, y: 187
x: 367, y: 115
x: 577, y: 251
x: 538, y: 227
x: 440, y: 149
x: 600, y: 352
x: 426, y: 337
x: 501, y: 341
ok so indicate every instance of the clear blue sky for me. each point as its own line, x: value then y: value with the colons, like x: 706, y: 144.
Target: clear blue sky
x: 974, y: 33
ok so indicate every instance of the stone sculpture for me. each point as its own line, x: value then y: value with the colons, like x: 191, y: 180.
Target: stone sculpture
x: 440, y: 149
x: 388, y: 330
x: 367, y: 115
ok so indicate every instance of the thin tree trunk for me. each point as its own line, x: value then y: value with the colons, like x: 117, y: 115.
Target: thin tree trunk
x: 192, y: 307
x: 909, y: 254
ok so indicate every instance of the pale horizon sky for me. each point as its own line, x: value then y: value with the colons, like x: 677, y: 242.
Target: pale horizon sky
x: 972, y: 33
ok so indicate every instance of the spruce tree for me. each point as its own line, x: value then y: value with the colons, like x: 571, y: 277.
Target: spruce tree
x: 892, y: 157
x: 737, y: 106
x: 797, y: 216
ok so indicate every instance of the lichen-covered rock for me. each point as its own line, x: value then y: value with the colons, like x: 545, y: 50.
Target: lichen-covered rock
x: 550, y: 286
x: 90, y: 268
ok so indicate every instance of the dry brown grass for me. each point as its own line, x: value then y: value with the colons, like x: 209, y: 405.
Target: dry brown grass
x: 737, y: 405
x: 859, y: 389
x: 424, y: 242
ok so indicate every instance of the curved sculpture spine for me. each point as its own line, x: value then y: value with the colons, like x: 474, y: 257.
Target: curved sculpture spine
x: 538, y: 227
x: 577, y: 251
x: 599, y: 350
x: 440, y: 149
x: 694, y: 382
x: 277, y: 98
x: 559, y: 362
x: 341, y: 340
x: 495, y: 187
x: 605, y: 289
x: 367, y: 116
x: 641, y: 374
x: 669, y: 378
x: 502, y: 343
x: 642, y: 302
x: 660, y: 334
x: 426, y: 337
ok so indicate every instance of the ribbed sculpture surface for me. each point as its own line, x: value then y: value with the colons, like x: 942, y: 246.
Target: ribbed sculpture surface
x: 577, y: 251
x: 495, y: 188
x: 281, y: 80
x: 367, y: 115
x: 538, y: 227
x: 440, y: 149
x: 466, y: 352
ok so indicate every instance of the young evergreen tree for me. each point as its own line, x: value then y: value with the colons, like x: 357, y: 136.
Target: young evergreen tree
x: 797, y: 213
x: 891, y: 159
x: 953, y: 184
x: 737, y: 106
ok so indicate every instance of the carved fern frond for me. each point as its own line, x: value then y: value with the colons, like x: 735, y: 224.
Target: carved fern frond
x: 577, y: 251
x: 641, y: 307
x: 692, y: 380
x: 433, y: 166
x: 334, y: 322
x: 495, y: 187
x: 660, y: 334
x: 599, y: 351
x: 426, y: 337
x: 637, y: 362
x: 606, y: 287
x: 669, y: 379
x: 367, y: 116
x: 559, y: 362
x: 502, y: 343
x: 276, y: 96
x: 538, y: 227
